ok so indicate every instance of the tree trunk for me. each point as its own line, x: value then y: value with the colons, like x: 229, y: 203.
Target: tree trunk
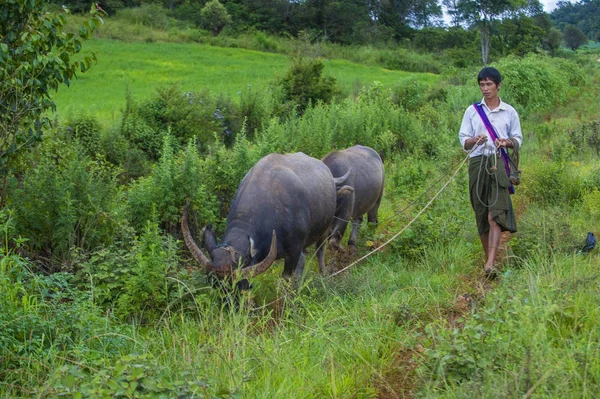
x: 485, y: 42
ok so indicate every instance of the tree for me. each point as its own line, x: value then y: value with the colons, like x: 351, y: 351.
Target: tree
x: 35, y: 58
x: 453, y: 11
x: 483, y: 14
x: 426, y: 13
x: 215, y: 17
x: 574, y: 37
x: 585, y: 14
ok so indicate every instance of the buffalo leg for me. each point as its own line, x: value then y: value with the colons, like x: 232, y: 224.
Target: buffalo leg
x: 293, y: 261
x: 300, y: 266
x: 354, y: 233
x: 320, y: 249
x: 372, y: 214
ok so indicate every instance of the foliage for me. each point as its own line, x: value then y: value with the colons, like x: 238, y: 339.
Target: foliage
x: 41, y: 313
x: 304, y: 84
x: 67, y: 200
x: 214, y: 17
x: 36, y: 57
x: 174, y: 179
x: 134, y: 375
x: 484, y: 13
x: 352, y: 335
x: 583, y: 14
x: 151, y: 15
x: 86, y: 129
x: 537, y: 82
x: 536, y: 326
x: 145, y: 293
x: 574, y: 37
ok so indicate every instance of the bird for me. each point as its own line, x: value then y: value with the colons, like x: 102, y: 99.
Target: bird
x: 590, y: 243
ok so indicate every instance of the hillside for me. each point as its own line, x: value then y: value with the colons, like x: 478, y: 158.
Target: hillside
x: 142, y: 67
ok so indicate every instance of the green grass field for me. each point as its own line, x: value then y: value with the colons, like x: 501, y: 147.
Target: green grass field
x: 142, y: 67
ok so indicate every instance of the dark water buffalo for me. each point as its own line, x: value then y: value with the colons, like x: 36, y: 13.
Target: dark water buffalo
x: 367, y: 179
x: 284, y: 204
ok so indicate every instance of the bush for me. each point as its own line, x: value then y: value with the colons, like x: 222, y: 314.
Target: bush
x: 145, y: 292
x: 543, y: 230
x: 586, y: 137
x: 151, y: 15
x: 185, y: 115
x: 535, y: 82
x: 86, y: 129
x: 174, y: 179
x: 41, y: 313
x: 255, y: 110
x: 304, y: 83
x: 409, y: 93
x: 67, y: 200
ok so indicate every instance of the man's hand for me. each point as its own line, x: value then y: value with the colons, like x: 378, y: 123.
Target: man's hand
x: 503, y: 143
x: 480, y: 139
x: 473, y: 141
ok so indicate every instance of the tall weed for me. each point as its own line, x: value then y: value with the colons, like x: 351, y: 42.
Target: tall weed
x: 66, y: 200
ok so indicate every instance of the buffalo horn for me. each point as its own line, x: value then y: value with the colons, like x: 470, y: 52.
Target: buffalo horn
x: 262, y: 266
x: 189, y: 240
x: 342, y: 179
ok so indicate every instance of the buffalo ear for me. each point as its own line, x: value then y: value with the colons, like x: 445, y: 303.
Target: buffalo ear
x: 210, y: 240
x: 345, y: 190
x: 253, y: 250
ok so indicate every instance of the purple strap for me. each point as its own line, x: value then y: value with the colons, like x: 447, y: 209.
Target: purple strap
x: 494, y: 136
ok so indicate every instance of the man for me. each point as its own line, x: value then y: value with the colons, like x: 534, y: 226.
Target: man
x: 488, y: 180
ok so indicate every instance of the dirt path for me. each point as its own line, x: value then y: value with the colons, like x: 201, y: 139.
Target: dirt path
x: 401, y: 380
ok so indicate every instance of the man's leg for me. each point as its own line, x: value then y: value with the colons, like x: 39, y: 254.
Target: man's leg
x: 485, y: 239
x: 495, y: 235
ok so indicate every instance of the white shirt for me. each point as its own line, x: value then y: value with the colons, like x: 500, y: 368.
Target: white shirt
x: 503, y: 118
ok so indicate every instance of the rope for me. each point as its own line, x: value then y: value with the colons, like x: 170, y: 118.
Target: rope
x: 401, y: 211
x: 409, y: 223
x: 395, y: 235
x: 491, y: 171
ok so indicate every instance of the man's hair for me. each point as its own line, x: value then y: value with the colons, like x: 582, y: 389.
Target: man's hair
x: 491, y: 74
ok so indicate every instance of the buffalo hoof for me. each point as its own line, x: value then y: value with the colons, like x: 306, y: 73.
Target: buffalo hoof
x: 352, y: 249
x: 334, y: 244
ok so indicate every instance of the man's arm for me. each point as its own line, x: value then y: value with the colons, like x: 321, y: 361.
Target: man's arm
x: 468, y: 138
x: 515, y: 132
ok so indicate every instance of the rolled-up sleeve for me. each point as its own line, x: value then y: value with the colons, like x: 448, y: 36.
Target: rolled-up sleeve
x: 515, y: 128
x: 466, y: 128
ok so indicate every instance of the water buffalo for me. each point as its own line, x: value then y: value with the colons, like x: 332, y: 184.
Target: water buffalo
x: 284, y: 204
x: 367, y: 179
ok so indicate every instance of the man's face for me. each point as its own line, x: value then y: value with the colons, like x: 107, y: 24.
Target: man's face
x: 489, y: 89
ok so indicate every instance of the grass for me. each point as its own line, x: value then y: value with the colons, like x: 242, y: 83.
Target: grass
x: 390, y: 327
x: 534, y: 335
x: 142, y: 67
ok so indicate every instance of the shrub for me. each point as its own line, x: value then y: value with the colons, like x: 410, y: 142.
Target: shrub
x: 151, y: 15
x: 409, y: 93
x: 41, y: 313
x: 214, y: 17
x: 255, y: 109
x: 185, y: 115
x: 67, y: 200
x: 86, y: 129
x: 553, y: 183
x: 536, y: 82
x: 304, y: 83
x: 134, y: 375
x: 543, y: 230
x: 145, y: 291
x: 586, y: 137
x: 174, y: 179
